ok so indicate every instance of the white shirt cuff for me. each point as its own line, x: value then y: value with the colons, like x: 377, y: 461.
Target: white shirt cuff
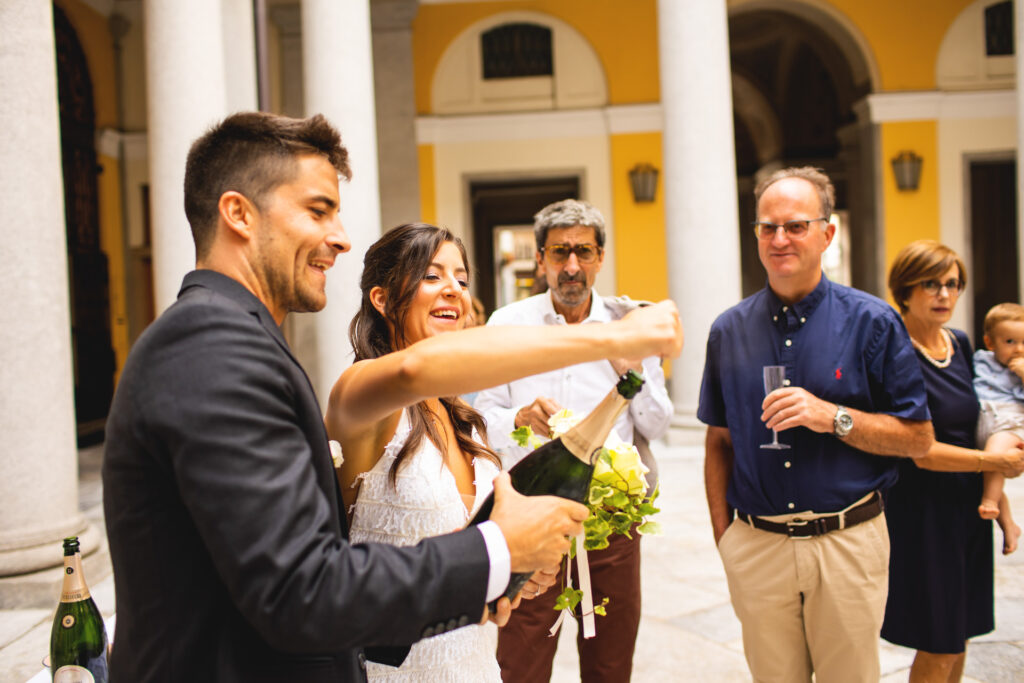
x: 501, y: 560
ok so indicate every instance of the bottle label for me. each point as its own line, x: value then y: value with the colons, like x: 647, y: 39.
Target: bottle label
x: 74, y: 588
x: 68, y: 621
x: 73, y: 674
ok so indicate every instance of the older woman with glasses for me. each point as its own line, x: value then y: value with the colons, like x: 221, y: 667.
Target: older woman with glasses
x: 941, y: 566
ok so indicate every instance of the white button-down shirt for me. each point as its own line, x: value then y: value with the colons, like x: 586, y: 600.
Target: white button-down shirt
x: 577, y: 387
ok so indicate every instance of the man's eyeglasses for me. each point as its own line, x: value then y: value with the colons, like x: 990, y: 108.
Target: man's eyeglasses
x: 559, y: 253
x: 933, y: 287
x: 794, y: 229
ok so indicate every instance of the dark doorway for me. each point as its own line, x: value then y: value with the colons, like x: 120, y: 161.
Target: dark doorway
x: 507, y: 203
x: 993, y: 277
x: 87, y: 264
x: 799, y: 90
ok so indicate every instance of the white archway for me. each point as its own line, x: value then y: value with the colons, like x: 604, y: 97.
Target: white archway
x: 458, y: 85
x: 844, y: 33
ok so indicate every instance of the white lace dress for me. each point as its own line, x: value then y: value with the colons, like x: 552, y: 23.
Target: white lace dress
x: 424, y: 502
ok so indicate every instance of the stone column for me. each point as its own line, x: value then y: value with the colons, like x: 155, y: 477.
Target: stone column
x: 396, y: 111
x: 338, y: 67
x: 288, y: 21
x: 700, y: 181
x: 186, y: 94
x: 39, y: 487
x: 239, y: 55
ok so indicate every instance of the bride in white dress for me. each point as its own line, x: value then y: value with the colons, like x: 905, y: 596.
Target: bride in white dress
x: 414, y: 463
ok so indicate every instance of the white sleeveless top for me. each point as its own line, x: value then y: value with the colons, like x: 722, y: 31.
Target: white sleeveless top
x: 424, y: 502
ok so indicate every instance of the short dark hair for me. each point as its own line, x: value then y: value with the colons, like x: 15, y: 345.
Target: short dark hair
x: 567, y: 214
x: 815, y: 176
x: 919, y: 261
x: 251, y: 153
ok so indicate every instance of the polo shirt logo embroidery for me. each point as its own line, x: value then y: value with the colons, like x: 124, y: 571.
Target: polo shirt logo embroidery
x: 839, y: 373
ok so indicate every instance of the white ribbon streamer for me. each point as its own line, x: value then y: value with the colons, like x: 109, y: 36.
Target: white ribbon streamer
x: 589, y: 629
x: 587, y: 601
x: 561, y: 617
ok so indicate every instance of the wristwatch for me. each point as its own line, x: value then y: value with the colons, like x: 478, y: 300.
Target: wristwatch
x: 842, y: 423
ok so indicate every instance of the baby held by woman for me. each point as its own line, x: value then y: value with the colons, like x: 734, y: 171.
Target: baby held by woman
x: 998, y: 375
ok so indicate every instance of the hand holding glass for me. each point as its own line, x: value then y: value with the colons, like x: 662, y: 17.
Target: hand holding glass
x: 774, y: 378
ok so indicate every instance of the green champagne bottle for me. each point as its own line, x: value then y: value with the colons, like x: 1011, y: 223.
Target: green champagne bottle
x: 78, y: 641
x: 564, y: 466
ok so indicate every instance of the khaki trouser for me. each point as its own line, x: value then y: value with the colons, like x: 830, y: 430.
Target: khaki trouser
x: 812, y: 605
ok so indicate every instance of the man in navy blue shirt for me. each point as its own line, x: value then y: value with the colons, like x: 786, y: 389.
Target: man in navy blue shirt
x: 807, y: 555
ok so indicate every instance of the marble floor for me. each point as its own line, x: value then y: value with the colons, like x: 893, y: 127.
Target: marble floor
x: 688, y: 631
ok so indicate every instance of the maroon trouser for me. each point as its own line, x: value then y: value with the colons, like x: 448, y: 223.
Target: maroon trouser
x: 526, y: 651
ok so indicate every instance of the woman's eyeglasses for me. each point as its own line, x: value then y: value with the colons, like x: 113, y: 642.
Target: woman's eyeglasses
x: 953, y: 285
x: 559, y: 253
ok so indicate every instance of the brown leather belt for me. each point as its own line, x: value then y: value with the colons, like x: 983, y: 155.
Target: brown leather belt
x: 803, y: 528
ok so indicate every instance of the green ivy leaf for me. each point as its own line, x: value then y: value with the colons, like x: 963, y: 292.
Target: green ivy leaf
x: 619, y: 499
x: 598, y: 494
x: 646, y: 509
x: 649, y: 529
x: 568, y: 599
x: 525, y: 437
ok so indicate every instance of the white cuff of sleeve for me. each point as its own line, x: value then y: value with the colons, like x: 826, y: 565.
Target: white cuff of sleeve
x: 501, y: 560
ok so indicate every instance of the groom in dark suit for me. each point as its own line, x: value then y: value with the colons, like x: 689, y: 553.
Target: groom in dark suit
x: 226, y: 529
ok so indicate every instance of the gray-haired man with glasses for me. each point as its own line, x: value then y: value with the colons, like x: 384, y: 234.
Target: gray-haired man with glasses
x: 570, y: 251
x: 800, y: 529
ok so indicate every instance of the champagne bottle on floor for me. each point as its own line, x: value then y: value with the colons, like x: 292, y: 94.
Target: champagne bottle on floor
x: 78, y: 641
x: 564, y: 466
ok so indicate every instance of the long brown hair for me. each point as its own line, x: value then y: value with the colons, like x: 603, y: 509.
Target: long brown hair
x: 397, y: 263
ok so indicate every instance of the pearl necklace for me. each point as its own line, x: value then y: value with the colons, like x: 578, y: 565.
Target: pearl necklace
x: 944, y: 363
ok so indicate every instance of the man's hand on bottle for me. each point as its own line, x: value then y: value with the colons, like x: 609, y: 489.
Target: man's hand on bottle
x: 541, y: 580
x: 536, y: 415
x: 536, y: 528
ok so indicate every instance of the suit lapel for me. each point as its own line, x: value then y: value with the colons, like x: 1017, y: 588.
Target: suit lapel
x: 235, y: 291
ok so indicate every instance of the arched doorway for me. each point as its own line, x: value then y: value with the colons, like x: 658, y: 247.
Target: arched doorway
x: 87, y: 264
x: 796, y: 81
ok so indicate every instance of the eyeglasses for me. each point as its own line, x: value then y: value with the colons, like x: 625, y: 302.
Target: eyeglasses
x: 794, y: 229
x: 953, y: 285
x: 559, y: 253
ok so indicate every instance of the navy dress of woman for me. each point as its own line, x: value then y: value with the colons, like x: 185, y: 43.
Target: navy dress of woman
x: 940, y: 566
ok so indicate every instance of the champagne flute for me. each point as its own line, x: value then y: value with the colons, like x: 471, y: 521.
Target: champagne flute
x: 774, y: 378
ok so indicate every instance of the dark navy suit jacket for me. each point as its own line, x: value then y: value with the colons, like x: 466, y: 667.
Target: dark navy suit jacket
x: 226, y: 528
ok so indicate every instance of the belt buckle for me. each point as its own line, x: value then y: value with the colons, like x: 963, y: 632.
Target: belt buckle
x: 817, y: 526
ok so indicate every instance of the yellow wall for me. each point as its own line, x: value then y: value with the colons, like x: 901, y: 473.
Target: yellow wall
x: 640, y: 266
x: 905, y: 36
x: 624, y: 35
x: 428, y: 186
x: 910, y: 215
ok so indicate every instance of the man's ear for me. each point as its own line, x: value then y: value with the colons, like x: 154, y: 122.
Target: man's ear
x: 830, y: 232
x: 378, y: 298
x: 237, y: 213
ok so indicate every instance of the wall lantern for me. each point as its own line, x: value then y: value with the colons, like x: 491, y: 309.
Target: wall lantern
x: 906, y: 166
x: 643, y: 179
